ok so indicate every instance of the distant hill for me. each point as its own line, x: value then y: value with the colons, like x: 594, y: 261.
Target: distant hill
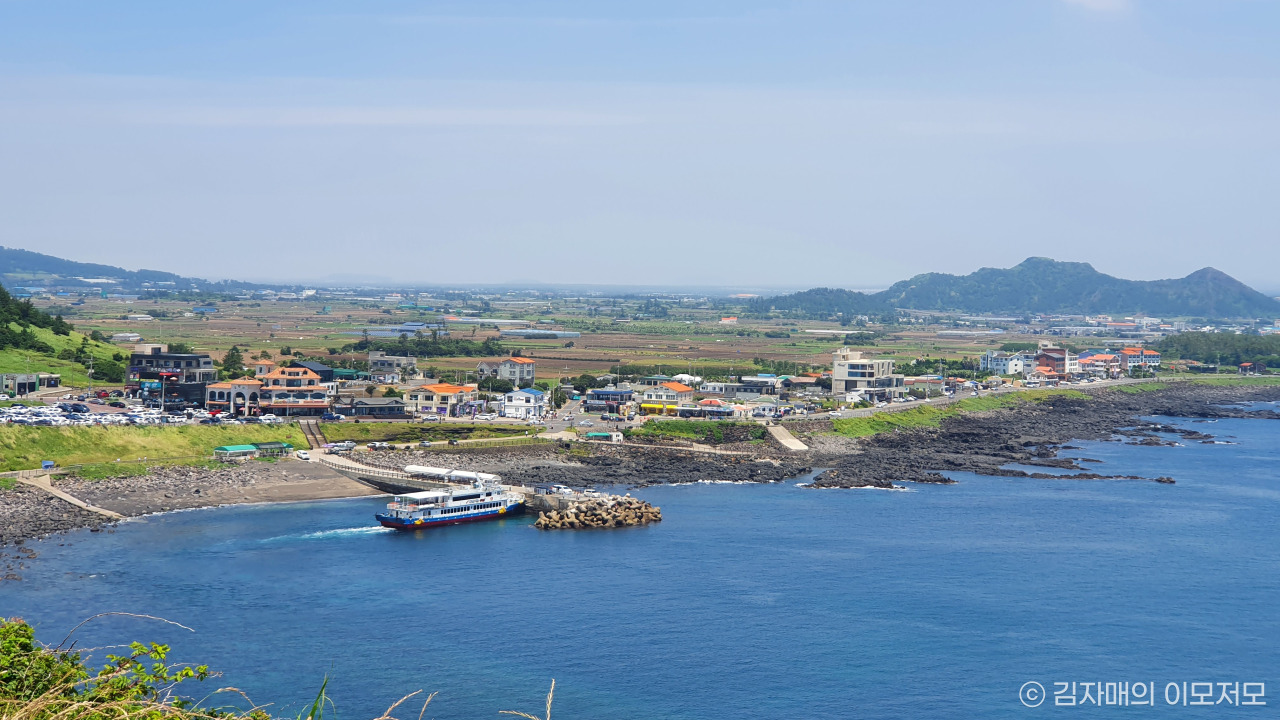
x: 24, y: 267
x: 1041, y: 285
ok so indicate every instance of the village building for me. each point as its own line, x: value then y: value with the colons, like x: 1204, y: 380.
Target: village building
x: 664, y: 399
x: 515, y: 370
x: 526, y: 404
x: 872, y: 378
x: 439, y: 399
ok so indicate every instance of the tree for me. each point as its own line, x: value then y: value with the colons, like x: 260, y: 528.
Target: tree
x: 392, y: 393
x: 233, y: 364
x: 179, y: 347
x: 370, y: 390
x: 266, y: 355
x: 60, y: 326
x: 97, y: 336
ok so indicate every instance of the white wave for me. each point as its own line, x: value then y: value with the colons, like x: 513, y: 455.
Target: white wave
x: 367, y: 530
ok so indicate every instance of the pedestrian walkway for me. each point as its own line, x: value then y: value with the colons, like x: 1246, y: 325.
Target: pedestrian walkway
x: 45, y: 483
x: 784, y: 436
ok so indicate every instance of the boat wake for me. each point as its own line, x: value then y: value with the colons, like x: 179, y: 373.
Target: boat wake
x: 335, y: 533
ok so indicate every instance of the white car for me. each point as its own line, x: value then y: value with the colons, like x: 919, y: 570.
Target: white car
x: 303, y: 455
x: 487, y: 416
x: 837, y: 414
x: 432, y: 418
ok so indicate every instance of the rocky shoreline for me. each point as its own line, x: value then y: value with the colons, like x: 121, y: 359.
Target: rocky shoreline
x: 1029, y: 435
x: 983, y: 443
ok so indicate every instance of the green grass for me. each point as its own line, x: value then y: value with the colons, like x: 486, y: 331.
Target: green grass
x: 933, y: 415
x: 24, y: 447
x: 701, y: 430
x: 73, y: 373
x: 415, y: 432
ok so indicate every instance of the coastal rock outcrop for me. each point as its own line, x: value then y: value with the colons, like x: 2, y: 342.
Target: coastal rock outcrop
x: 600, y: 513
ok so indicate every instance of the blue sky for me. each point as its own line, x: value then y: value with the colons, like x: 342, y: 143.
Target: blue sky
x: 724, y: 143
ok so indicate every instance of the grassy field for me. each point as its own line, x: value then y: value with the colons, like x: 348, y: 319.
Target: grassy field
x: 412, y: 433
x: 700, y: 430
x: 932, y: 416
x: 23, y: 447
x: 73, y: 373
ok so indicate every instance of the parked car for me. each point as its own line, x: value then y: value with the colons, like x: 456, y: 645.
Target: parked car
x: 425, y: 444
x: 378, y: 446
x: 487, y: 416
x: 333, y: 417
x: 303, y: 455
x: 837, y: 414
x: 117, y: 404
x: 432, y: 418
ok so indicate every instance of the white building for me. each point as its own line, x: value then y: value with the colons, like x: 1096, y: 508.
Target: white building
x: 526, y: 404
x: 515, y: 370
x: 851, y: 371
x: 1002, y: 363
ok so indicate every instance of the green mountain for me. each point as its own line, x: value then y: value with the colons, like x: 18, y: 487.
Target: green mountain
x: 20, y: 268
x: 1041, y: 285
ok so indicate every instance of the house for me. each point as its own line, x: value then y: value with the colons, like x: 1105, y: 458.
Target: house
x: 293, y: 391
x: 527, y: 404
x: 383, y: 407
x: 729, y: 321
x: 126, y: 337
x: 324, y: 371
x: 852, y: 371
x: 401, y: 365
x: 515, y: 370
x: 1101, y: 365
x: 1060, y: 360
x: 608, y: 399
x: 439, y: 399
x: 998, y: 362
x: 664, y: 399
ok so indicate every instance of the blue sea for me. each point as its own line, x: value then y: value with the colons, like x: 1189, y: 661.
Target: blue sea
x: 747, y: 601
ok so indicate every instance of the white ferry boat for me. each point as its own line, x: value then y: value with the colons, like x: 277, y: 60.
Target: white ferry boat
x: 484, y: 500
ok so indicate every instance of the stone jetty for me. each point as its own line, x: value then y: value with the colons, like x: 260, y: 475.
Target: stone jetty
x: 600, y: 513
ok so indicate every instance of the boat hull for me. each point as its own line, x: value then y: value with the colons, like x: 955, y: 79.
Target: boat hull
x: 410, y: 524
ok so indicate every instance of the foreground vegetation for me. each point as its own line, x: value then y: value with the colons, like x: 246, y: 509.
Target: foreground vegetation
x: 55, y: 683
x: 23, y: 447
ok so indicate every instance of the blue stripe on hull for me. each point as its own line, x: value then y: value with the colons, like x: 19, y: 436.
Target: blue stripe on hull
x: 406, y: 524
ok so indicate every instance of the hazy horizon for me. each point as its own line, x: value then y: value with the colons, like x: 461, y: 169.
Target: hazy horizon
x: 715, y: 144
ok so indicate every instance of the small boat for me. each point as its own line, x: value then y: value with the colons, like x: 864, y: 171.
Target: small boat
x: 419, y: 510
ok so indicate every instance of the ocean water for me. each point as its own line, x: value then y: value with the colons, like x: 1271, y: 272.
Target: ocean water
x: 747, y: 601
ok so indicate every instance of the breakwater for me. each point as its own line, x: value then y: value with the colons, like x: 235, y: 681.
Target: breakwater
x: 610, y: 512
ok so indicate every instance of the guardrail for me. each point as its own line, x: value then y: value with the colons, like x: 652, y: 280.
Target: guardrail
x: 362, y: 469
x: 465, y: 445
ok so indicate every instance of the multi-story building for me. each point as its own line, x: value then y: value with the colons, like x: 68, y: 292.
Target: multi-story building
x: 234, y: 397
x: 1134, y: 359
x: 664, y: 399
x: 515, y: 370
x: 1101, y: 365
x: 851, y: 371
x: 439, y: 399
x: 1060, y: 360
x: 526, y: 404
x: 179, y: 376
x: 1002, y: 363
x: 291, y: 391
x: 608, y: 399
x: 391, y: 368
